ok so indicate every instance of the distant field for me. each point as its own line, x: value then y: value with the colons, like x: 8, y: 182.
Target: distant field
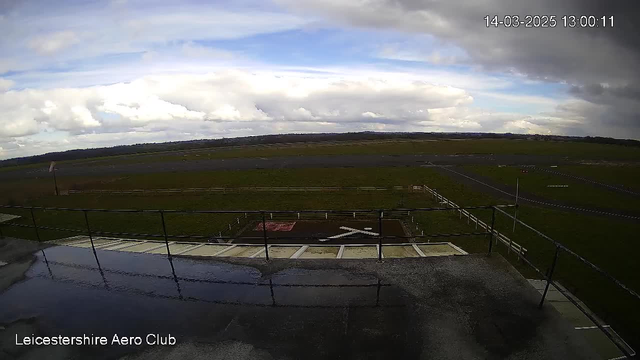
x: 480, y: 146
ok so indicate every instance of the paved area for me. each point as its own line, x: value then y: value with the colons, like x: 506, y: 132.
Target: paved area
x: 464, y: 307
x: 287, y: 162
x: 279, y: 251
x: 584, y: 326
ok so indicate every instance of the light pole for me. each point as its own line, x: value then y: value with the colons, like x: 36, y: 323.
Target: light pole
x: 52, y: 169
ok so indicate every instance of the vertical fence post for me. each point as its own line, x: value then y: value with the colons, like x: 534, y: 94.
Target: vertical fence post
x: 264, y: 234
x: 493, y: 220
x: 164, y: 231
x: 35, y: 226
x: 1, y: 233
x: 379, y: 234
x: 86, y: 220
x: 553, y: 266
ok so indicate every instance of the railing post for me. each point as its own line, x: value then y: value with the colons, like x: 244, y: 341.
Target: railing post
x: 1, y: 233
x: 164, y: 231
x: 86, y: 220
x: 264, y: 233
x: 379, y: 234
x: 553, y: 266
x: 493, y: 220
x: 35, y: 226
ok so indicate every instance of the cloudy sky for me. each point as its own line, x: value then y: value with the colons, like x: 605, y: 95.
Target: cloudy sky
x: 78, y: 74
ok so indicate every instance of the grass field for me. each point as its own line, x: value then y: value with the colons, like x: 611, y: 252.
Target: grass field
x: 616, y: 175
x: 578, y: 193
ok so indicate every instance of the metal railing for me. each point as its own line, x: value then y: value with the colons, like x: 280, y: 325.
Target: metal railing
x: 378, y: 214
x: 548, y: 277
x: 240, y: 189
x: 511, y: 245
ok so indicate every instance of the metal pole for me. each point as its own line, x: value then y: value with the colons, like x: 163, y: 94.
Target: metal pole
x: 493, y: 220
x: 379, y: 234
x: 35, y: 226
x: 553, y: 266
x: 47, y: 263
x: 175, y: 278
x: 1, y: 233
x: 515, y: 212
x: 55, y: 182
x: 86, y: 220
x: 264, y: 233
x: 273, y: 298
x: 164, y: 231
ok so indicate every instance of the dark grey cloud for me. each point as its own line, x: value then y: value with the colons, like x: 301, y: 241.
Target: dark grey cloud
x: 600, y: 65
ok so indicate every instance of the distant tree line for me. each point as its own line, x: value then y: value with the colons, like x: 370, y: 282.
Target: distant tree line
x: 289, y: 138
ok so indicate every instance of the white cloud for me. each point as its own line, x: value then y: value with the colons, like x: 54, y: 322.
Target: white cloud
x: 235, y: 103
x: 49, y: 44
x: 5, y: 84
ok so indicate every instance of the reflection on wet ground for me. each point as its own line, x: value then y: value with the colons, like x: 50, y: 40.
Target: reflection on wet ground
x: 294, y: 313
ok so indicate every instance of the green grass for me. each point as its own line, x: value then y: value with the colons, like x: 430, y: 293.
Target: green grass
x: 578, y: 193
x: 626, y: 176
x: 345, y: 177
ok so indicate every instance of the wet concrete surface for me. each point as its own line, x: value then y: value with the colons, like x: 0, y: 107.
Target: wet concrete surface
x: 471, y: 307
x: 288, y: 162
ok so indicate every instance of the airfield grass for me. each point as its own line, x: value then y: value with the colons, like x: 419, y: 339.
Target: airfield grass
x: 578, y: 150
x: 625, y: 176
x: 578, y: 193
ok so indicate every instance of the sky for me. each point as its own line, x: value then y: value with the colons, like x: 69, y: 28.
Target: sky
x: 84, y: 74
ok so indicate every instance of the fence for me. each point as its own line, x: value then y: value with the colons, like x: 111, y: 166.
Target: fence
x: 243, y: 189
x: 511, y: 245
x: 250, y: 215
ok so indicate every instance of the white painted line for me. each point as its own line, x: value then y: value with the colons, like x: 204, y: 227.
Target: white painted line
x: 417, y: 249
x: 619, y: 357
x: 259, y: 252
x: 340, y: 252
x: 135, y: 242
x: 74, y: 243
x: 2, y: 263
x: 108, y: 244
x: 189, y: 249
x: 158, y: 247
x: 299, y: 252
x: 360, y: 231
x: 457, y: 248
x: 339, y: 236
x: 225, y: 250
x: 591, y: 327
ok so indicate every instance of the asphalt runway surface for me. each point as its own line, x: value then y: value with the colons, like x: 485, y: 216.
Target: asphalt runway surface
x: 288, y: 162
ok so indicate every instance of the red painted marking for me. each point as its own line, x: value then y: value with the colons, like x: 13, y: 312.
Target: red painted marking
x: 276, y: 226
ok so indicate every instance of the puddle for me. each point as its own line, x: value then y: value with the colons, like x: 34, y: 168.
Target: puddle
x: 69, y: 291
